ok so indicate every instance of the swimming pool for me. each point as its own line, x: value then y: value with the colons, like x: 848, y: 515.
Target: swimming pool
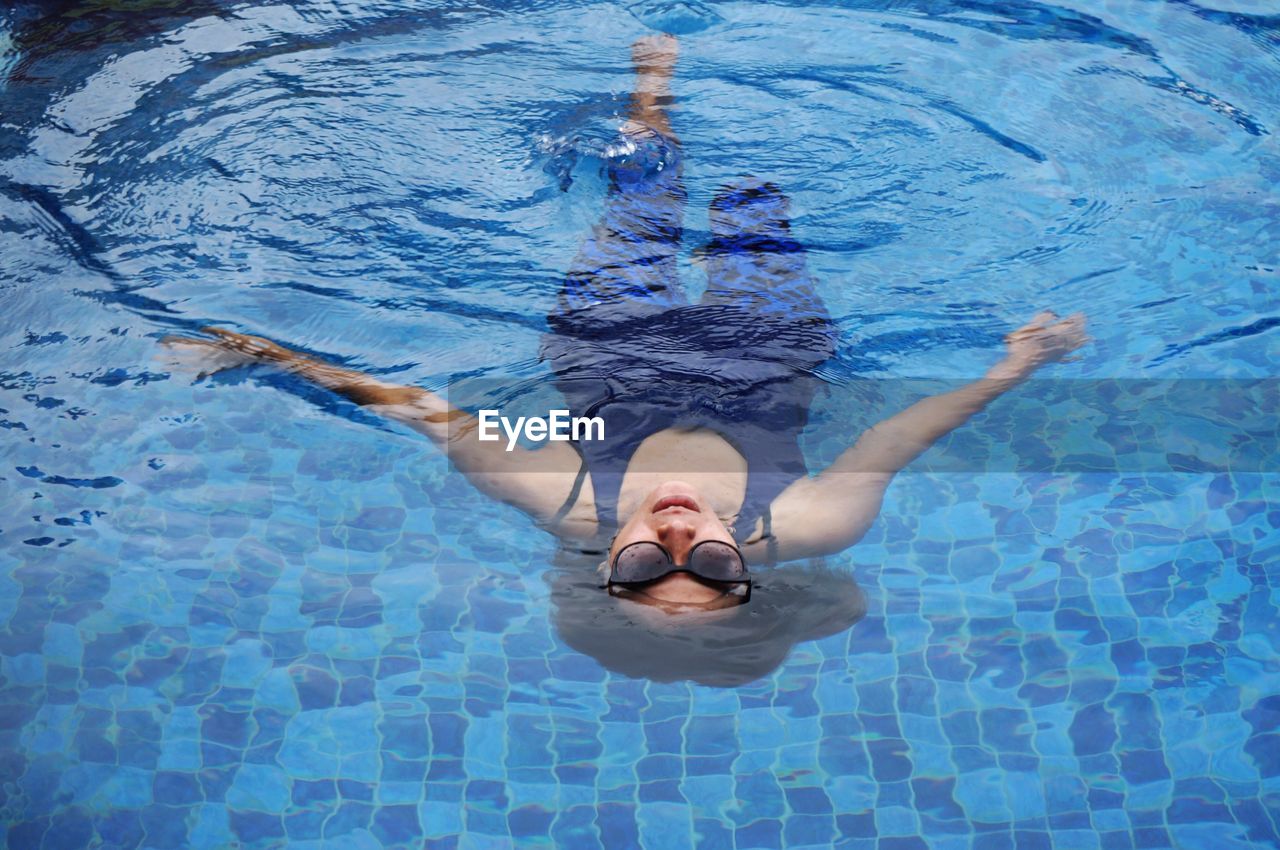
x: 242, y: 612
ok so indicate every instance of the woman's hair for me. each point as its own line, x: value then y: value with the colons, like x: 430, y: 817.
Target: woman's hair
x: 721, y: 648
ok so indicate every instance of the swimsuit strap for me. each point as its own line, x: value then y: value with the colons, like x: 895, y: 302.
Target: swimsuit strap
x: 766, y: 535
x: 574, y: 493
x: 770, y: 547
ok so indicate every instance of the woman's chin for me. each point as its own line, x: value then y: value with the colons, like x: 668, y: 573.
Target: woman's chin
x: 681, y: 589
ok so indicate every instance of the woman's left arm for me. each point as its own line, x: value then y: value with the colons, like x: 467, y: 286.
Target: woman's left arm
x: 830, y: 512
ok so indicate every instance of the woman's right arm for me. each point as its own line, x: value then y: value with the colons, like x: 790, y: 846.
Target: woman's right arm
x: 537, y: 482
x: 830, y: 512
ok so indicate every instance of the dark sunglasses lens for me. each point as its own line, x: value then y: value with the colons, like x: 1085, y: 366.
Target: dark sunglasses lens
x: 717, y: 562
x: 640, y: 562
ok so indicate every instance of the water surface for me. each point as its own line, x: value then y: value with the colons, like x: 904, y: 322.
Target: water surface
x: 243, y: 611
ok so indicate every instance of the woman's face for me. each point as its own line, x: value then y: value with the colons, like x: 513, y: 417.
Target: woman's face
x: 676, y: 516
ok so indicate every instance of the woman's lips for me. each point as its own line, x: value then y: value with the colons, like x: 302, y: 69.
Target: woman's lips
x: 675, y: 502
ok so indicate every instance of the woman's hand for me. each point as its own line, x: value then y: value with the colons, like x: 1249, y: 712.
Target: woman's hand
x: 1043, y: 340
x: 228, y: 349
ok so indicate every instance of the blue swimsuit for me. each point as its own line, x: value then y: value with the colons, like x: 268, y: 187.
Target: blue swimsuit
x: 626, y: 344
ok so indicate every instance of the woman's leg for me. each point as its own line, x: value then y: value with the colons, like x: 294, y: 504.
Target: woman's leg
x: 626, y: 268
x: 758, y: 278
x: 762, y: 309
x: 623, y: 277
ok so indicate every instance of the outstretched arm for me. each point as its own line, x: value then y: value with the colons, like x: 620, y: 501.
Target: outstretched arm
x: 832, y: 511
x: 537, y: 482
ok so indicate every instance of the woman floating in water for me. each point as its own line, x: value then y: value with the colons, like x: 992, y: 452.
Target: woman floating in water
x: 699, y: 476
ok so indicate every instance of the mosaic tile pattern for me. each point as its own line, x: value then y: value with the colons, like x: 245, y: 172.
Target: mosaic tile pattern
x: 305, y: 664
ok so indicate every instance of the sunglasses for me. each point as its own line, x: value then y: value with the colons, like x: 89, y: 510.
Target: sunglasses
x: 645, y: 561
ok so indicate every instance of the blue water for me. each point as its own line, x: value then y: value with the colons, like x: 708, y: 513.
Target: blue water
x: 241, y: 612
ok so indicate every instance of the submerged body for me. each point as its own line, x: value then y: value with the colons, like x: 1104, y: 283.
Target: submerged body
x: 702, y: 403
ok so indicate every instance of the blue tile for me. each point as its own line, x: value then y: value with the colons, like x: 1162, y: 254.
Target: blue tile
x: 70, y: 829
x: 348, y: 817
x: 1093, y: 730
x: 165, y: 825
x: 711, y: 834
x: 397, y: 824
x: 29, y: 833
x: 808, y: 800
x: 529, y: 822
x: 1150, y: 837
x: 856, y: 825
x: 617, y: 824
x: 1116, y: 840
x: 176, y: 788
x: 936, y: 796
x: 764, y: 833
x: 902, y: 843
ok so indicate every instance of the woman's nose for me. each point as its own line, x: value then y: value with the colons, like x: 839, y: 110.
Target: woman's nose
x: 676, y: 534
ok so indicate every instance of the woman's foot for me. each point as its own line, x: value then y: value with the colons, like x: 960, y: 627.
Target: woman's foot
x: 654, y: 58
x: 655, y: 55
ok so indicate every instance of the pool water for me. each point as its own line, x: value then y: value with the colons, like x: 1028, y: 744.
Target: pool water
x: 240, y: 612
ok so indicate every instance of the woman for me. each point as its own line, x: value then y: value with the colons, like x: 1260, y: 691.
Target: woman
x: 700, y: 475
